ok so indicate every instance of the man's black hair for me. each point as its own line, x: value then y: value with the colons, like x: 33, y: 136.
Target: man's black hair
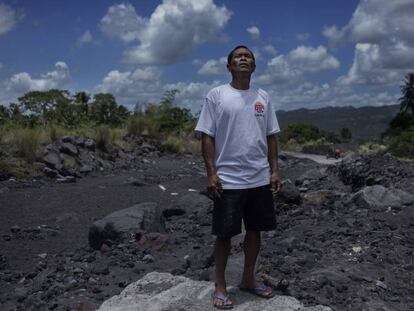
x: 230, y: 56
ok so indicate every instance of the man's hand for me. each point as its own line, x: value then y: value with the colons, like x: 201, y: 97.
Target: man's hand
x: 275, y: 183
x: 214, y: 187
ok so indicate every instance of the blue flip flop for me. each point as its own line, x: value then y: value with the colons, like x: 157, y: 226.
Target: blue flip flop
x: 227, y: 303
x: 260, y: 291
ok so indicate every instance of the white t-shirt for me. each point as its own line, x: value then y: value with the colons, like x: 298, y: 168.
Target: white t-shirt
x: 239, y: 121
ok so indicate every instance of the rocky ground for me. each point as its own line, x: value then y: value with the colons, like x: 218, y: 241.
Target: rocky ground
x: 344, y: 238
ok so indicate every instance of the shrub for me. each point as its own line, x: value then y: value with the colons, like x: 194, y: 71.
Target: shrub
x: 27, y: 142
x: 103, y: 137
x: 135, y: 126
x: 171, y: 145
x: 403, y: 145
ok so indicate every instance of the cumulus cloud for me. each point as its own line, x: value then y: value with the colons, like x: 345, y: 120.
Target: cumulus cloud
x: 309, y: 59
x: 130, y: 87
x: 254, y: 32
x: 214, y: 67
x: 303, y: 36
x: 8, y: 18
x: 270, y: 49
x: 23, y: 82
x: 191, y: 95
x: 333, y: 34
x: 315, y: 95
x: 290, y: 68
x: 170, y: 33
x: 384, y: 41
x: 85, y: 38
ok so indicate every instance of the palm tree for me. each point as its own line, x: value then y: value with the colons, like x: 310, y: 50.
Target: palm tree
x: 407, y: 98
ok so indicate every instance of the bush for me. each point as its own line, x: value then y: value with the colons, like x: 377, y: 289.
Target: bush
x: 135, y: 126
x: 403, y: 144
x: 103, y: 137
x: 171, y: 145
x: 27, y: 142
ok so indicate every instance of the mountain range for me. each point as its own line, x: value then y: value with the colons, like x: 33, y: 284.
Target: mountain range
x: 365, y: 123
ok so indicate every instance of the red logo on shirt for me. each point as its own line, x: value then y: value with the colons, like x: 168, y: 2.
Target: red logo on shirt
x: 259, y: 109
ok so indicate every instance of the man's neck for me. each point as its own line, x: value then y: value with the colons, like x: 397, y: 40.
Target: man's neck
x: 240, y: 83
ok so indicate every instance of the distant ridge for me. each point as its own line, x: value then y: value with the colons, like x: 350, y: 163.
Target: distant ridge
x: 364, y: 122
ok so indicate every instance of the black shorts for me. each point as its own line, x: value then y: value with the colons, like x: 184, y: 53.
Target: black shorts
x: 254, y: 206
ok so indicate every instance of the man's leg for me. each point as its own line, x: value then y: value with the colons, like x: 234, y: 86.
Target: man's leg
x: 251, y: 251
x: 221, y: 254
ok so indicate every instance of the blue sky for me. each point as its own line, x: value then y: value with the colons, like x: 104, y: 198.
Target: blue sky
x: 309, y: 53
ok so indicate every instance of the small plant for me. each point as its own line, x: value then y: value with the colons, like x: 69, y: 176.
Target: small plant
x: 27, y: 142
x: 403, y: 144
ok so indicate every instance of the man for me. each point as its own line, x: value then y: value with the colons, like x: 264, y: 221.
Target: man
x: 239, y: 147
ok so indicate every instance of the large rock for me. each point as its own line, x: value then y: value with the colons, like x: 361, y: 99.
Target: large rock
x: 53, y: 160
x: 163, y: 291
x: 143, y: 216
x: 379, y: 196
x: 288, y: 194
x: 311, y: 175
x: 191, y: 203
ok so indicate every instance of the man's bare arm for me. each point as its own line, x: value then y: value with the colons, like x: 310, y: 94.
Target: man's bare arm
x: 208, y: 151
x: 272, y: 154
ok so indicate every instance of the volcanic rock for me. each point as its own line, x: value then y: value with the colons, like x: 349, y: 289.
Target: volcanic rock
x: 144, y: 216
x: 378, y: 196
x: 163, y: 291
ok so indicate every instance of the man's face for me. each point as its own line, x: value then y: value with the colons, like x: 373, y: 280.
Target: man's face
x: 242, y: 61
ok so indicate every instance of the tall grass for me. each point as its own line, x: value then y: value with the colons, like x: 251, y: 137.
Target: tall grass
x: 178, y: 144
x: 27, y: 141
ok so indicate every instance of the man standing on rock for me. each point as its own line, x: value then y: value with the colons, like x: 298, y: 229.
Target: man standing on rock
x: 238, y: 126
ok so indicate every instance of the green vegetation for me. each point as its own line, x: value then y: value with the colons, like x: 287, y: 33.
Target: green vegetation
x: 400, y: 132
x: 44, y: 117
x: 297, y: 135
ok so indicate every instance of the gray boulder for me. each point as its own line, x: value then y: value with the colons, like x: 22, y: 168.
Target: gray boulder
x: 194, y: 203
x: 115, y: 226
x: 379, y: 197
x: 69, y: 149
x: 53, y: 160
x: 313, y: 174
x: 288, y: 194
x: 163, y: 291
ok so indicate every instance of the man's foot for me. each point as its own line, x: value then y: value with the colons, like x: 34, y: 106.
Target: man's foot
x: 260, y: 290
x: 222, y: 302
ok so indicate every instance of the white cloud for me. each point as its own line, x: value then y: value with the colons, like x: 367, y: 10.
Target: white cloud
x: 382, y: 32
x: 8, y: 18
x: 214, y: 67
x: 170, y: 33
x: 254, y: 32
x: 303, y: 36
x: 313, y: 95
x: 270, y: 49
x: 191, y: 95
x: 21, y: 83
x: 333, y: 34
x: 85, y: 38
x: 141, y: 84
x: 309, y: 59
x: 290, y: 68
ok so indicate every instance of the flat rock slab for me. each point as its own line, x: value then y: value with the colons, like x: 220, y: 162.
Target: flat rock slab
x: 163, y: 291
